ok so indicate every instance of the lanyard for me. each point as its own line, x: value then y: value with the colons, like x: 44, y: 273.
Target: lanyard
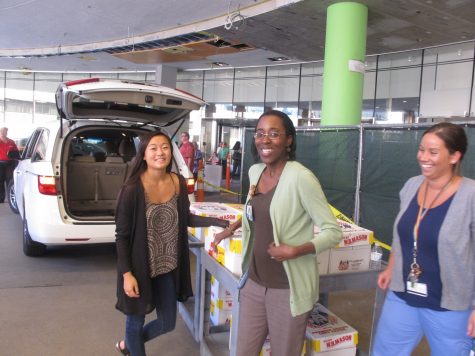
x: 415, y: 268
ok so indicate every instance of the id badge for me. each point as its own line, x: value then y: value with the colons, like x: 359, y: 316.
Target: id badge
x: 249, y: 215
x: 416, y: 288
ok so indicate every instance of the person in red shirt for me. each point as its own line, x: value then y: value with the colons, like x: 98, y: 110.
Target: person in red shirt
x: 6, y: 165
x: 187, y: 150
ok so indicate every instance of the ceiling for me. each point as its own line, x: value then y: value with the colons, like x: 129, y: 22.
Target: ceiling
x: 137, y: 35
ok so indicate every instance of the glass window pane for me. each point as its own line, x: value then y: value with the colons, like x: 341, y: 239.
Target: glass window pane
x: 19, y: 99
x: 75, y: 76
x: 311, y: 86
x: 46, y: 85
x: 249, y: 93
x: 446, y: 81
x: 398, y: 82
x: 218, y: 89
x: 150, y: 77
x: 133, y: 76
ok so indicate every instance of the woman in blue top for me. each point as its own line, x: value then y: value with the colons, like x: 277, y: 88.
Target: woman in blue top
x: 430, y: 272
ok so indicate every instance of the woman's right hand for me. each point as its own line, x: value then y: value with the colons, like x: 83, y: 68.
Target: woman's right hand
x: 384, y: 278
x: 131, y: 287
x: 219, y: 237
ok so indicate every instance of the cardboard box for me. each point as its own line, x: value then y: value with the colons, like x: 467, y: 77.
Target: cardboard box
x: 197, y: 232
x: 220, y: 311
x: 233, y: 262
x: 239, y: 207
x: 353, y: 235
x: 328, y: 333
x: 351, y: 351
x: 349, y: 259
x: 232, y: 244
x: 218, y: 291
x: 266, y: 350
x: 215, y: 210
x: 323, y: 259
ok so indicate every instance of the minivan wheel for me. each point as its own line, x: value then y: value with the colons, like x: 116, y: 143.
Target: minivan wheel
x: 31, y: 248
x: 11, y: 196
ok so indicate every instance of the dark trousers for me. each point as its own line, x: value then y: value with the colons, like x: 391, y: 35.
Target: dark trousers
x: 6, y: 173
x: 223, y: 170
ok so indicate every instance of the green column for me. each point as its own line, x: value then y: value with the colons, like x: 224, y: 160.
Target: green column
x: 343, y: 69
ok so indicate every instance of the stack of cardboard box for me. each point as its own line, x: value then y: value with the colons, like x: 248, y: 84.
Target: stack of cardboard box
x: 221, y: 303
x: 328, y: 335
x: 351, y: 254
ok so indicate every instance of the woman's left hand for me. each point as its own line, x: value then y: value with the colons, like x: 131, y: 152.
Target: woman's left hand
x: 471, y: 325
x: 282, y: 252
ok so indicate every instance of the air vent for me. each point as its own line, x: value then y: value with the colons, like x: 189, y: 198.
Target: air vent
x: 242, y: 47
x: 220, y: 43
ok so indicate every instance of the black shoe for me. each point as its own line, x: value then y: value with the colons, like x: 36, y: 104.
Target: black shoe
x: 123, y: 351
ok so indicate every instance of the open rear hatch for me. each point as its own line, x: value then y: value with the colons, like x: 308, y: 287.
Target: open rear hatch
x: 133, y: 102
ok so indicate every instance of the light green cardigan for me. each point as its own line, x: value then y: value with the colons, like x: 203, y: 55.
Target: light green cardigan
x: 298, y: 204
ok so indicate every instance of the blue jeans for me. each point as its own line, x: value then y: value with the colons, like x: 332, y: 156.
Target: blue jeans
x: 164, y: 296
x: 401, y: 327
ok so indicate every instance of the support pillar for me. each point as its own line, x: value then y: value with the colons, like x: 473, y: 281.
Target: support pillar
x: 166, y: 75
x: 343, y: 71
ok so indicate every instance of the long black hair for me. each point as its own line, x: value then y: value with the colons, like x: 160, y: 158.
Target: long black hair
x: 139, y: 165
x: 289, y: 131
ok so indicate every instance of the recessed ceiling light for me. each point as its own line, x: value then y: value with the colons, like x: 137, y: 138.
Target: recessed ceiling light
x: 404, y: 101
x: 219, y: 64
x: 278, y: 59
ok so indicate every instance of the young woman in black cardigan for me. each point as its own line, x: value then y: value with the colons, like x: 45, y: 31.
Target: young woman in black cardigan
x: 152, y: 217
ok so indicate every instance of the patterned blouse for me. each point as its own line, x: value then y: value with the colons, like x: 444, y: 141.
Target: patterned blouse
x: 162, y: 235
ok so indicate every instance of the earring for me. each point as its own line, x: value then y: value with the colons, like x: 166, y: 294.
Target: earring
x: 287, y: 148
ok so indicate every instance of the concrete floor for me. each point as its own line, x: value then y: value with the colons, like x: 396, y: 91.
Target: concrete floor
x: 63, y: 303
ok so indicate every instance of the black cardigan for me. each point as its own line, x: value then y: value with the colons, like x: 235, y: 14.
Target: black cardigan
x: 132, y: 251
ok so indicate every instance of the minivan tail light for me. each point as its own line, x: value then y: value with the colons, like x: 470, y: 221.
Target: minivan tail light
x: 190, y: 185
x: 47, y: 185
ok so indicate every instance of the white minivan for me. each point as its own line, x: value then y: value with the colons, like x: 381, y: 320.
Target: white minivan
x: 68, y: 176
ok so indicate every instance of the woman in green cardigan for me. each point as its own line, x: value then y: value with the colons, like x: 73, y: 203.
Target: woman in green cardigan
x: 280, y: 281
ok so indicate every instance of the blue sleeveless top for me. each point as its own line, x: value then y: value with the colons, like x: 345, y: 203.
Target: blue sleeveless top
x: 427, y: 252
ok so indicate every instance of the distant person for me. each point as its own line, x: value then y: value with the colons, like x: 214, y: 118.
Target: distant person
x: 223, y: 157
x: 430, y: 274
x: 187, y: 150
x: 6, y: 164
x: 237, y: 155
x: 196, y: 162
x: 152, y: 217
x: 213, y: 159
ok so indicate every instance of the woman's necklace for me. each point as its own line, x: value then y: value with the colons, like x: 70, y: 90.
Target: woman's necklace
x: 416, y: 270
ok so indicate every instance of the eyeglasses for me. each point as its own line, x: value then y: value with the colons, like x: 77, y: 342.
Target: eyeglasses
x: 273, y: 135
